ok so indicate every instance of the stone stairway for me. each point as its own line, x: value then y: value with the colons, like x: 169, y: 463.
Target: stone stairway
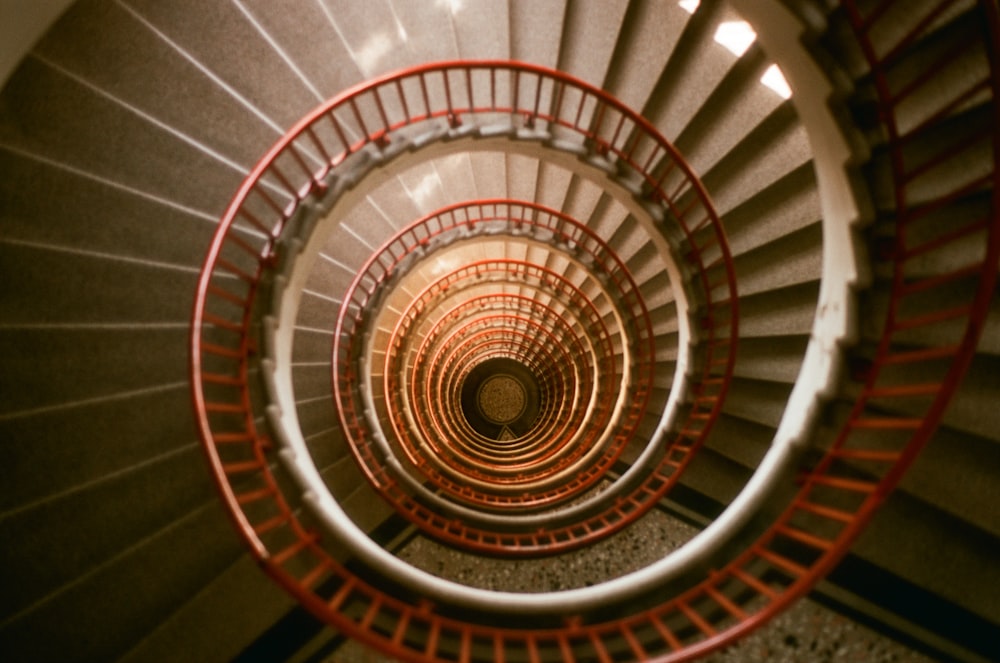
x: 127, y: 129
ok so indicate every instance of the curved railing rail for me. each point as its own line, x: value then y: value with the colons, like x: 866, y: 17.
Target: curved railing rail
x: 607, y: 386
x: 520, y: 220
x: 483, y: 338
x: 610, y: 383
x: 545, y: 336
x: 836, y: 496
x: 875, y: 446
x: 225, y: 334
x: 544, y: 332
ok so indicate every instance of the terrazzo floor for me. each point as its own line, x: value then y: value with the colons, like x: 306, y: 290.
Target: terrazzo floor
x: 806, y: 633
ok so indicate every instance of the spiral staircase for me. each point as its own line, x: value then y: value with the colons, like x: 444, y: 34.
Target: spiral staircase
x: 521, y: 284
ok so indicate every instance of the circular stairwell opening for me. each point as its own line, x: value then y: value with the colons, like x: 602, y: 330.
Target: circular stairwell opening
x: 501, y: 399
x: 691, y: 229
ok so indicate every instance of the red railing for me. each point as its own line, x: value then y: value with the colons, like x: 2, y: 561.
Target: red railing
x: 542, y: 333
x: 875, y: 446
x: 463, y: 489
x: 516, y: 218
x: 578, y: 306
x: 483, y: 338
x: 623, y: 511
x: 837, y: 496
x: 600, y: 420
x: 224, y: 336
x: 556, y: 379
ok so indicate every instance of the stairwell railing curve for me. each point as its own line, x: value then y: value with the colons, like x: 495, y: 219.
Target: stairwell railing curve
x: 731, y: 600
x: 478, y: 486
x: 840, y: 492
x: 558, y: 377
x: 226, y: 337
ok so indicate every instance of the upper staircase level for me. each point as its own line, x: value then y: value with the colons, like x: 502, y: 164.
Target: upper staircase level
x: 718, y: 295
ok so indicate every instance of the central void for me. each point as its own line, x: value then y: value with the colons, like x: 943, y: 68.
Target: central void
x: 500, y: 399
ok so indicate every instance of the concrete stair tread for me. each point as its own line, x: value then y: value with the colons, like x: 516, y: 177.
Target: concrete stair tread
x: 156, y: 232
x: 128, y: 595
x: 240, y: 603
x: 104, y: 232
x: 648, y: 34
x: 91, y: 525
x: 63, y: 121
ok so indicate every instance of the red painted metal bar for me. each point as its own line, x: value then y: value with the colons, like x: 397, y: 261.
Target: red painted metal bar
x: 362, y: 305
x: 825, y: 475
x: 557, y: 379
x: 457, y: 370
x: 534, y: 445
x: 489, y: 346
x: 287, y: 550
x: 510, y: 271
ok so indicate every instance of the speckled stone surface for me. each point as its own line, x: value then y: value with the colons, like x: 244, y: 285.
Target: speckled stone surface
x: 502, y: 399
x: 651, y: 538
x: 811, y: 633
x: 806, y: 633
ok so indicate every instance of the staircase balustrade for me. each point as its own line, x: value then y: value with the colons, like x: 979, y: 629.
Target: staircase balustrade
x: 424, y: 619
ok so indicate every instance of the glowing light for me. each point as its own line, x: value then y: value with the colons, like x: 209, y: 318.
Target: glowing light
x: 424, y: 190
x: 454, y: 6
x: 443, y: 266
x: 374, y: 49
x: 689, y: 5
x: 735, y: 36
x: 774, y: 79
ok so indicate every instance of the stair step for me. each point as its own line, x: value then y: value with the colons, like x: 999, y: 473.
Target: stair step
x: 241, y: 603
x: 781, y: 208
x: 696, y: 63
x: 193, y: 40
x: 799, y: 254
x: 172, y: 236
x: 940, y: 334
x: 971, y: 410
x: 50, y: 366
x: 771, y: 150
x: 971, y: 457
x: 91, y: 288
x: 740, y: 439
x: 93, y: 440
x: 779, y: 312
x: 96, y: 522
x: 196, y: 106
x: 935, y: 551
x: 737, y: 103
x: 774, y: 359
x: 757, y: 400
x: 648, y: 34
x: 715, y: 476
x: 130, y: 594
x: 141, y: 158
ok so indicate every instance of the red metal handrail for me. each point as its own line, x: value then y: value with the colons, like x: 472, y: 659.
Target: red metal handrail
x: 549, y: 323
x: 728, y: 602
x: 517, y: 216
x: 477, y: 342
x: 842, y: 491
x: 410, y: 627
x: 553, y: 375
x: 506, y: 472
x: 516, y: 272
x: 474, y: 343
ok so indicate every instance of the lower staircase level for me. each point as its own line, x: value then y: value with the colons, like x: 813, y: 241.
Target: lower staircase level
x: 126, y: 134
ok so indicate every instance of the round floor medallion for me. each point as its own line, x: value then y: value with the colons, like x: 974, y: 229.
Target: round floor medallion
x: 502, y: 398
